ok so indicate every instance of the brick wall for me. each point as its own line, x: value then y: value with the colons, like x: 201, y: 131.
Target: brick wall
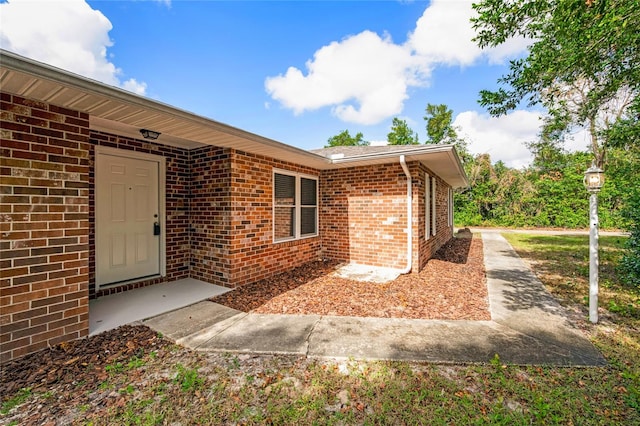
x: 364, y: 215
x: 176, y: 229
x: 252, y: 252
x: 210, y: 216
x: 232, y: 219
x: 427, y: 247
x: 44, y: 173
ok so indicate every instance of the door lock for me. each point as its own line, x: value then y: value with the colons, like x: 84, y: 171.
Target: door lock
x: 156, y: 228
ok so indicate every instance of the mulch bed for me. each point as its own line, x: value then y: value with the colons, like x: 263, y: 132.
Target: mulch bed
x: 451, y: 287
x: 79, y: 363
x: 68, y: 378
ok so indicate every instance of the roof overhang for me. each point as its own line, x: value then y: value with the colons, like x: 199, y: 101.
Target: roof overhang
x: 443, y: 160
x: 120, y: 112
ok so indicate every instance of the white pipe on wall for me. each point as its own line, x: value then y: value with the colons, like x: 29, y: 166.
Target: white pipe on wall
x: 407, y: 269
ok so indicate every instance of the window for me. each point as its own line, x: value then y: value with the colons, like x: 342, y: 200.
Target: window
x: 434, y: 193
x: 450, y: 206
x: 295, y: 206
x: 429, y: 206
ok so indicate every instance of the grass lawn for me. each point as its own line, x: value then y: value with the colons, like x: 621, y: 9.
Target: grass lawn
x: 169, y: 384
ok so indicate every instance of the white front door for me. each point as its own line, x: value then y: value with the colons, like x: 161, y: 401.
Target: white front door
x: 127, y: 218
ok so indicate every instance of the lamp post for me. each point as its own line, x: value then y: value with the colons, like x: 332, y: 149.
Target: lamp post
x: 593, y: 181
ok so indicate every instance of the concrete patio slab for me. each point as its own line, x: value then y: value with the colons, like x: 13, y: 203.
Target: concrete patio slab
x: 528, y: 326
x: 373, y: 274
x: 271, y: 334
x: 194, y: 319
x: 109, y: 312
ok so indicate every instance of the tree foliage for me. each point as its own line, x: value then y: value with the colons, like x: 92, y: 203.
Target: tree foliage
x: 345, y: 139
x: 401, y: 133
x: 440, y: 128
x: 581, y: 65
x: 549, y: 193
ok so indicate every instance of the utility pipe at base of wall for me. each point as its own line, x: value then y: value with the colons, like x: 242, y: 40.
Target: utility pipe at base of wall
x: 407, y: 269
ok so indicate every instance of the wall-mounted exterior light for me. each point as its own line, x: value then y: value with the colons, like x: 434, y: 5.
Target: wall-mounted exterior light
x: 149, y: 134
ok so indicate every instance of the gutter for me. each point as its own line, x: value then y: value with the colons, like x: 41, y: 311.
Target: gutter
x: 390, y: 154
x: 407, y: 268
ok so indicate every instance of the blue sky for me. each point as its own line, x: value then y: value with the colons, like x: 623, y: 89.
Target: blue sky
x: 294, y: 71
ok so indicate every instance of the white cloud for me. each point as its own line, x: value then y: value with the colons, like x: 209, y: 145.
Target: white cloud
x: 365, y: 78
x: 444, y: 35
x: 501, y: 137
x: 579, y: 139
x: 66, y: 34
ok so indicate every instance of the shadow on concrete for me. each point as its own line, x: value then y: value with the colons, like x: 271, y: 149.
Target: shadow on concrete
x: 523, y: 291
x: 510, y: 346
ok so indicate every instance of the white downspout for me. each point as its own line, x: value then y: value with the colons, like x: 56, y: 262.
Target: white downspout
x: 407, y: 269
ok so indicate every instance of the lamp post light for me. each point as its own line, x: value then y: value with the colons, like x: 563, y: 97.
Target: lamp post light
x: 593, y: 181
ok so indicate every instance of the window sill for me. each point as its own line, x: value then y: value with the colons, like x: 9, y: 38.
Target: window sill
x: 289, y: 240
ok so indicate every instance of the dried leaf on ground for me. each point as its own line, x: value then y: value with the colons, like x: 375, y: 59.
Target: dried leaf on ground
x: 452, y: 286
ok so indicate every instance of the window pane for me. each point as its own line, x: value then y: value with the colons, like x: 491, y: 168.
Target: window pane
x: 284, y: 222
x: 285, y: 189
x: 308, y: 220
x: 308, y: 192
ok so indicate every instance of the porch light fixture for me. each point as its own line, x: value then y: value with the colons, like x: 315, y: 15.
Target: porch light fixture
x: 149, y: 134
x: 593, y: 181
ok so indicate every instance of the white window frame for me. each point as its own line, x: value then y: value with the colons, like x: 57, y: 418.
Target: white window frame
x: 297, y: 206
x: 434, y: 196
x: 450, y: 207
x: 427, y: 206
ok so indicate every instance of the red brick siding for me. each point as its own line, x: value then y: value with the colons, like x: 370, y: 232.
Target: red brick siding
x: 364, y: 215
x: 44, y: 173
x: 253, y: 254
x: 232, y: 219
x: 210, y: 214
x: 428, y: 247
x: 177, y: 186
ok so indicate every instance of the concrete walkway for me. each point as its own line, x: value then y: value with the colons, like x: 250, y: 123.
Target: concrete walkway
x: 528, y: 327
x: 109, y: 312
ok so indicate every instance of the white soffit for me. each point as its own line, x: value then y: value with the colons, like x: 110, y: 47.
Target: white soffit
x: 120, y: 112
x: 117, y: 111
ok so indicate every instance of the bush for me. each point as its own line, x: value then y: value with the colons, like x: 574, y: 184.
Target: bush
x: 630, y: 263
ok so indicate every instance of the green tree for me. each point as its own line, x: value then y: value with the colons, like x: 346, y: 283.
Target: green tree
x: 401, y: 133
x: 440, y: 124
x: 345, y: 139
x: 581, y: 65
x: 440, y: 130
x: 548, y: 155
